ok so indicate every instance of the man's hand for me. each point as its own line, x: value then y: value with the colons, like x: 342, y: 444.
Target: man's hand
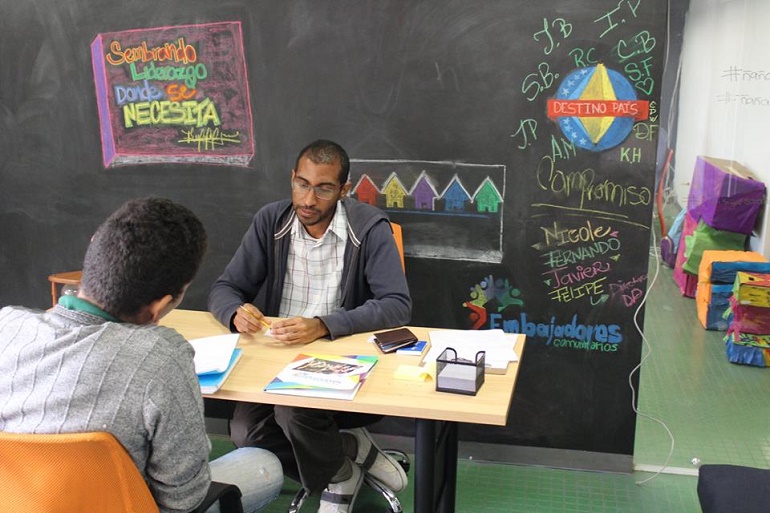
x: 248, y: 319
x: 298, y: 330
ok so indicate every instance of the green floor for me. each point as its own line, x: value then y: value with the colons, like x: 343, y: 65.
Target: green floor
x: 717, y: 412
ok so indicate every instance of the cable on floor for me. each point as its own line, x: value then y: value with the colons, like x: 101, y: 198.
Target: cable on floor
x: 646, y: 345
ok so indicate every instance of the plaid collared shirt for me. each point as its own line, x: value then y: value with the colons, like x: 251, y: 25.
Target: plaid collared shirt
x: 311, y: 286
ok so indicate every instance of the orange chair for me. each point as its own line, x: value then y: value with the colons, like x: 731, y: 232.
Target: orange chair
x: 68, y: 278
x: 41, y: 473
x: 398, y: 236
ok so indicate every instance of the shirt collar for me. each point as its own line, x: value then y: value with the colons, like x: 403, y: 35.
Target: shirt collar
x: 338, y: 225
x: 81, y: 305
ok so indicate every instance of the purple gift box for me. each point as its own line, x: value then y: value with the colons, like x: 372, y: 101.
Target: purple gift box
x: 725, y: 194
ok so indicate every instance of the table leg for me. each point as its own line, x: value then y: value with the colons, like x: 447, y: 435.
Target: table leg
x: 447, y: 501
x: 435, y: 480
x: 425, y: 465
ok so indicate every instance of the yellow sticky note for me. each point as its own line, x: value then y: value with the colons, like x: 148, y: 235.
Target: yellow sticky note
x: 412, y: 373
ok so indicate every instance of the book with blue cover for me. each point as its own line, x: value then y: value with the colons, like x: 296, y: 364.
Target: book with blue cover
x: 212, y: 382
x: 415, y: 349
x: 320, y: 375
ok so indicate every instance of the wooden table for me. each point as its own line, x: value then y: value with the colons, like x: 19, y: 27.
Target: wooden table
x: 436, y: 413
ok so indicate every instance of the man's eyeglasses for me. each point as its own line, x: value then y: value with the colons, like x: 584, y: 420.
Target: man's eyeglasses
x: 322, y: 192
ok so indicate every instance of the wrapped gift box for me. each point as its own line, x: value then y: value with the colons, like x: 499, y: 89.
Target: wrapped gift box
x: 686, y: 281
x: 705, y: 238
x: 721, y: 266
x: 716, y: 278
x: 749, y: 319
x: 746, y: 354
x: 724, y: 271
x: 752, y: 289
x: 725, y: 194
x: 711, y: 303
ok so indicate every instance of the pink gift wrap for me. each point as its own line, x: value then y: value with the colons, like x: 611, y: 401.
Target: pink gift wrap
x: 750, y: 319
x: 686, y: 282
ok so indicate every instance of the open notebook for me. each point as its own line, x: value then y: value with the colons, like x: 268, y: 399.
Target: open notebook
x: 215, y: 357
x: 211, y: 383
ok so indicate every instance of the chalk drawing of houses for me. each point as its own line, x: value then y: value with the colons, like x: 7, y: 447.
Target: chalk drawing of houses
x: 394, y: 192
x: 423, y: 192
x: 455, y: 195
x: 366, y: 191
x: 487, y: 197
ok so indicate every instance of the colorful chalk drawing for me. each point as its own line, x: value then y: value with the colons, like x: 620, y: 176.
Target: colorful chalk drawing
x: 448, y: 210
x: 596, y: 108
x: 173, y: 95
x: 495, y: 304
x: 573, y: 334
x: 578, y: 259
x: 490, y: 294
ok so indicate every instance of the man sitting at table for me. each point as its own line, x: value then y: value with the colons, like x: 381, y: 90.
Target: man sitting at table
x: 98, y: 361
x: 330, y: 267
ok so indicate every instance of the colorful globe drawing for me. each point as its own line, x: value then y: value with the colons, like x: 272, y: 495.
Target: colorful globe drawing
x: 604, y: 105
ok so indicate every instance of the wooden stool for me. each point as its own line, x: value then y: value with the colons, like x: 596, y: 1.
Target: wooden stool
x: 68, y: 278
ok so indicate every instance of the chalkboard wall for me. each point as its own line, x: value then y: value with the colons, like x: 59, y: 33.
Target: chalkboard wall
x: 512, y: 219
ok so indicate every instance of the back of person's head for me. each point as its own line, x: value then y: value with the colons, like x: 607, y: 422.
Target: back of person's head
x: 323, y: 151
x: 147, y: 249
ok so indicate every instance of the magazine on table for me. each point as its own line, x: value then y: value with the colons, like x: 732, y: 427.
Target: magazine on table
x: 321, y: 375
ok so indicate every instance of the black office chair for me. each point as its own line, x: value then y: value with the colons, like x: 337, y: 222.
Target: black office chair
x: 733, y: 489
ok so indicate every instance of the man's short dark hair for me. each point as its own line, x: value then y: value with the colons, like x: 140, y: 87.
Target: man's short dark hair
x: 148, y: 248
x: 323, y: 151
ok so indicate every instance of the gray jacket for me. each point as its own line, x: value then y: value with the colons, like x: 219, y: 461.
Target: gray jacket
x: 66, y: 371
x: 375, y: 294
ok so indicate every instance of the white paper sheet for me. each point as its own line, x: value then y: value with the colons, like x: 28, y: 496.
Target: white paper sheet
x: 212, y: 354
x: 497, y: 344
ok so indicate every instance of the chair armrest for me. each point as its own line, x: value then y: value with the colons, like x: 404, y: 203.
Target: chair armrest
x: 228, y: 495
